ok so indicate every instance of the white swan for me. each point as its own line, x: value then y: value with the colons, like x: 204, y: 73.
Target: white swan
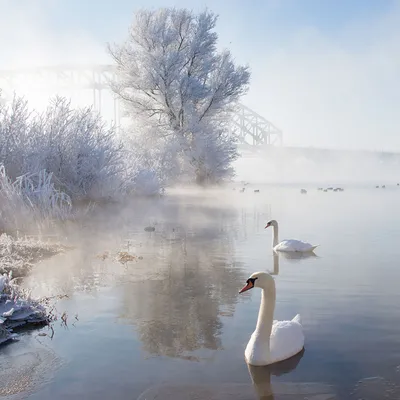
x: 288, y: 245
x: 272, y: 341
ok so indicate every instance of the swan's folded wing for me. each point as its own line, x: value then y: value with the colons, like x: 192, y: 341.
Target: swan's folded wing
x: 293, y: 245
x: 287, y: 339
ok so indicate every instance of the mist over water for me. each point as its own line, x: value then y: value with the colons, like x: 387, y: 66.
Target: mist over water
x: 172, y: 316
x: 322, y: 167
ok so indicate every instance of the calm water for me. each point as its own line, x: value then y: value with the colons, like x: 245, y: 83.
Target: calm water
x: 175, y: 318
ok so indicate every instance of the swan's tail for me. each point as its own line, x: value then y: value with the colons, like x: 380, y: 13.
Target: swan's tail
x: 314, y: 247
x: 297, y: 319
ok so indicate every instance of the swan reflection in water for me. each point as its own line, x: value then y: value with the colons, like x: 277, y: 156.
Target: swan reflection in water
x: 276, y: 264
x: 265, y: 390
x: 297, y: 256
x: 293, y: 257
x: 261, y: 388
x: 261, y: 376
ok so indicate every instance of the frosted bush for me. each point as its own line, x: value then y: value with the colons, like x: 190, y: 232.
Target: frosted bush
x: 50, y: 160
x: 79, y: 149
x: 148, y: 152
x: 84, y: 156
x: 146, y: 183
x: 15, y: 138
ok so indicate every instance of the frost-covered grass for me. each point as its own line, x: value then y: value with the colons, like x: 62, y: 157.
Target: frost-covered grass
x: 19, y: 255
x: 31, y: 200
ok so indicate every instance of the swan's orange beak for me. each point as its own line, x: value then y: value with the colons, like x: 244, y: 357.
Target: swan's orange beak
x: 248, y: 286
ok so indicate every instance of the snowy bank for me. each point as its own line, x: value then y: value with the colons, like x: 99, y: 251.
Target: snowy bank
x: 17, y: 309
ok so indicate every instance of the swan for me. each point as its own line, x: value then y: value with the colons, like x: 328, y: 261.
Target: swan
x: 272, y: 341
x: 288, y: 245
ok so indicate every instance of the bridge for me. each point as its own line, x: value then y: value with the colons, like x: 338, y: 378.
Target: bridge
x: 253, y: 130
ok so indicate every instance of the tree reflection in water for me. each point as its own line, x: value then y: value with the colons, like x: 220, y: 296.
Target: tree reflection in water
x: 187, y: 277
x: 180, y: 311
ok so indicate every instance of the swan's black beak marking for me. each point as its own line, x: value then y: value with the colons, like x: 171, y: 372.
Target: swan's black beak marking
x: 267, y: 225
x: 249, y: 285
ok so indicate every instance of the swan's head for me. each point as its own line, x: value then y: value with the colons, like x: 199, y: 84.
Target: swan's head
x: 258, y: 279
x: 271, y: 223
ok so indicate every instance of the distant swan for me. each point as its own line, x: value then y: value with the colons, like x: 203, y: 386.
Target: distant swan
x: 272, y: 341
x: 288, y: 245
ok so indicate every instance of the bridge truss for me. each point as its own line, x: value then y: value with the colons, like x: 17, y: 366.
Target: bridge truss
x: 252, y: 130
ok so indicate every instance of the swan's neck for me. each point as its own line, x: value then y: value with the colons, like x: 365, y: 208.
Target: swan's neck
x: 266, y: 313
x: 275, y: 239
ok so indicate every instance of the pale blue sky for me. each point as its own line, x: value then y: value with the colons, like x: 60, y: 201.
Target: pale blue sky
x: 324, y: 71
x: 281, y: 17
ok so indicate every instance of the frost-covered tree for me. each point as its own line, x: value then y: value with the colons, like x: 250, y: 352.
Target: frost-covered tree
x: 173, y: 81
